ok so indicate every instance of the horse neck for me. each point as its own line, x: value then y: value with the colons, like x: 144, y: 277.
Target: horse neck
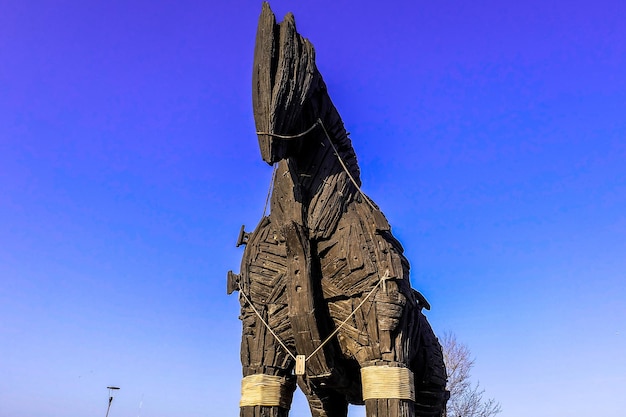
x: 313, y: 187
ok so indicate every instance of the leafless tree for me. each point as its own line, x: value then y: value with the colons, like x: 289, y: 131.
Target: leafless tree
x: 466, y: 399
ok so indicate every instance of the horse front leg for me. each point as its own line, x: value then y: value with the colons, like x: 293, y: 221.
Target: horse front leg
x: 268, y: 384
x: 376, y: 337
x: 388, y: 381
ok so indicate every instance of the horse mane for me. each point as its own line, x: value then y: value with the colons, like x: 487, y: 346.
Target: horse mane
x: 329, y: 163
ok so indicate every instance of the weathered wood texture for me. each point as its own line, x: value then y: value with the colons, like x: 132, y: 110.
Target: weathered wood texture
x: 302, y: 311
x: 324, y: 259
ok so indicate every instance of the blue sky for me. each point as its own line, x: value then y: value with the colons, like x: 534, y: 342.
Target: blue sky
x: 492, y: 134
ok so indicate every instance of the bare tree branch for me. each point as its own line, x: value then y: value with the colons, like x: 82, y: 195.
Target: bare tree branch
x: 466, y: 400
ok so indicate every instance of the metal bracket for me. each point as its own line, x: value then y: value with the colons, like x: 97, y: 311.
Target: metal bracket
x: 243, y: 237
x: 232, y: 282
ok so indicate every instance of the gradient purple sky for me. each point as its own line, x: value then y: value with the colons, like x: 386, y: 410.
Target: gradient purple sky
x: 492, y: 134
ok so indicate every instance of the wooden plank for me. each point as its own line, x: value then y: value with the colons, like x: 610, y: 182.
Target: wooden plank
x: 300, y: 292
x: 263, y: 76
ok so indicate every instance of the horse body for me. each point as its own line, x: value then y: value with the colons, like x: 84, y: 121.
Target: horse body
x: 322, y: 276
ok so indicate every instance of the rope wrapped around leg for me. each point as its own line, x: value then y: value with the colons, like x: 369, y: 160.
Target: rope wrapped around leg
x: 387, y: 382
x: 267, y: 390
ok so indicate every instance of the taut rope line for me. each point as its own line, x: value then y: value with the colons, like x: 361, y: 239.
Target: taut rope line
x: 269, y: 192
x: 299, y: 135
x: 265, y: 323
x: 343, y: 165
x: 382, y: 281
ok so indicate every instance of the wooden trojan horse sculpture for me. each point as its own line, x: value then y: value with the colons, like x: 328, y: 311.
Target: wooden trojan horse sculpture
x: 325, y: 295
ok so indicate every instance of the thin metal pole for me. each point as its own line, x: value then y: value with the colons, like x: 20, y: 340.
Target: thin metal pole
x: 109, y: 407
x: 110, y: 399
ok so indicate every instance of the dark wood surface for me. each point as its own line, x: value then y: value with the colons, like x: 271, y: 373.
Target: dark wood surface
x: 314, y: 265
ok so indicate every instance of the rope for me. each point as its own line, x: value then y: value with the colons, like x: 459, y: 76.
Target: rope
x: 299, y: 135
x: 387, y: 382
x: 265, y: 323
x: 269, y: 192
x: 343, y: 165
x: 345, y: 168
x: 366, y: 198
x: 382, y: 281
x: 266, y: 390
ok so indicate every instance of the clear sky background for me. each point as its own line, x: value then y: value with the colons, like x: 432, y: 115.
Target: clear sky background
x: 491, y: 133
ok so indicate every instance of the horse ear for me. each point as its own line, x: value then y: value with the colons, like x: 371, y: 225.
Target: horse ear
x: 264, y: 69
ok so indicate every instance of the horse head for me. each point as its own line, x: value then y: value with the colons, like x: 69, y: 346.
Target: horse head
x: 284, y: 81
